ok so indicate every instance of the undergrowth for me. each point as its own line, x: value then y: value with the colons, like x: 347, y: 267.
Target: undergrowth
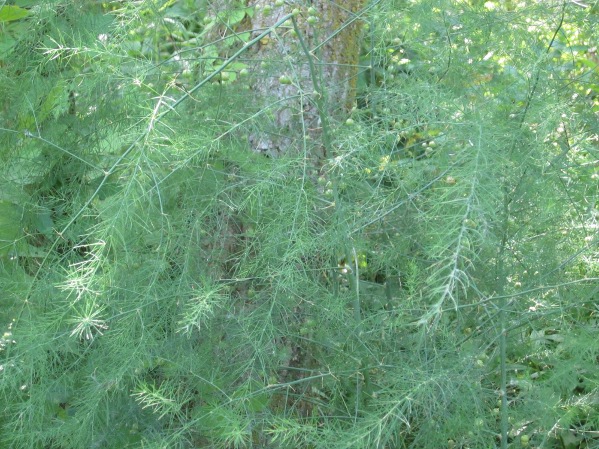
x: 433, y: 284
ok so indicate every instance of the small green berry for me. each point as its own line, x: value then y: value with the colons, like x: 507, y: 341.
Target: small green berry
x: 312, y: 20
x: 284, y: 79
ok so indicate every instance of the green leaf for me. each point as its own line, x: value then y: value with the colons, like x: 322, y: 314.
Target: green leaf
x: 27, y: 250
x: 10, y: 226
x: 235, y: 16
x: 215, y: 419
x: 30, y: 167
x: 244, y: 37
x: 56, y: 102
x: 236, y: 66
x: 7, y: 43
x: 10, y: 13
x: 569, y: 440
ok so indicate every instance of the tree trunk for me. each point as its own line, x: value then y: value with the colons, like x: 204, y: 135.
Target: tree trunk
x: 305, y: 74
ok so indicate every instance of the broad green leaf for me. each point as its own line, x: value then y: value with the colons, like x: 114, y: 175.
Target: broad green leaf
x: 29, y: 251
x: 43, y: 222
x: 9, y: 13
x: 236, y: 66
x: 235, y: 16
x: 30, y: 167
x: 244, y: 37
x: 569, y: 440
x: 7, y: 43
x: 10, y: 226
x: 12, y: 193
x: 56, y: 102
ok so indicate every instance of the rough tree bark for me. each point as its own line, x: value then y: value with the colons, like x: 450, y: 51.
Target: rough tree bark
x: 304, y: 78
x: 302, y: 75
x: 305, y: 73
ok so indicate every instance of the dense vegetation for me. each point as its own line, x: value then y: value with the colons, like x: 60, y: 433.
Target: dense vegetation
x: 431, y: 284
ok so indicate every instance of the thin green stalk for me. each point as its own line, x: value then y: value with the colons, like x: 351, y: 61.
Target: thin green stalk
x: 372, y: 62
x: 356, y: 285
x: 500, y: 264
x: 319, y: 96
x: 500, y: 276
x: 503, y: 386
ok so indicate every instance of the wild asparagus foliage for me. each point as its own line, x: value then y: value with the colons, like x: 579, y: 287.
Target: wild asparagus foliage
x: 432, y: 285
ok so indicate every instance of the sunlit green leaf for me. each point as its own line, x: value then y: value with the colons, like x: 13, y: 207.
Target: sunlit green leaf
x: 8, y: 13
